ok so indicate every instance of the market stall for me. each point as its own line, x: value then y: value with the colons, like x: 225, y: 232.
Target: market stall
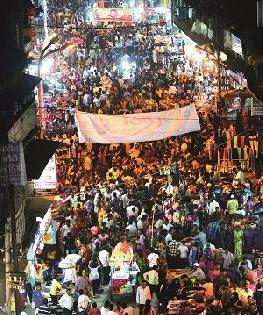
x: 45, y: 241
x: 123, y: 270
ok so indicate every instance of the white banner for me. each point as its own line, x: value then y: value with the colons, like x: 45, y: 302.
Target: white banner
x: 130, y: 128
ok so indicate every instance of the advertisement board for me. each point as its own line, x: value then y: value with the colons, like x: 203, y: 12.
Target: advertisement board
x: 113, y: 15
x: 12, y: 164
x: 237, y: 45
x: 232, y: 42
x: 48, y: 178
x: 257, y: 108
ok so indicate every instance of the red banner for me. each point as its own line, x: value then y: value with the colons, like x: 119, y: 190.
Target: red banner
x: 114, y: 15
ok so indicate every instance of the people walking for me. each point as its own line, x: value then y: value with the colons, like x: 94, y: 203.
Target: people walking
x: 84, y: 303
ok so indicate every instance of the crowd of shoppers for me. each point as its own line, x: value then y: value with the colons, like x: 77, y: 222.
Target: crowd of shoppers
x: 168, y: 199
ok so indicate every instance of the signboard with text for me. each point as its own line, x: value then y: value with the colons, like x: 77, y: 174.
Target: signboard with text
x: 113, y: 15
x: 257, y: 109
x: 12, y: 168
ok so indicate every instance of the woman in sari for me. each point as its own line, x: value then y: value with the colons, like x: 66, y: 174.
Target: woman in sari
x: 238, y: 243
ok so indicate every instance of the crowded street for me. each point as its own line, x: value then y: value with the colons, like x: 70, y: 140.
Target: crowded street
x: 163, y: 215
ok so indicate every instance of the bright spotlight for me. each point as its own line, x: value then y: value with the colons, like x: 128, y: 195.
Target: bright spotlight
x: 46, y: 66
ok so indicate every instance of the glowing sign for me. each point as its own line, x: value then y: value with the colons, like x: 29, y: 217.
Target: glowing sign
x: 114, y: 15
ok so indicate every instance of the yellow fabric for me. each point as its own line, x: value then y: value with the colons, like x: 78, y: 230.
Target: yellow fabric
x: 55, y: 287
x: 13, y: 305
x: 232, y: 206
x: 151, y: 277
x: 209, y: 289
x: 101, y: 215
x: 243, y: 295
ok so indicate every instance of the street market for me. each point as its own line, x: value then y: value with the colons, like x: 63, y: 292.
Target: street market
x: 167, y: 220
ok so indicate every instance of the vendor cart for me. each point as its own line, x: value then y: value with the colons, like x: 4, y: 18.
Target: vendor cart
x: 123, y: 272
x: 123, y: 282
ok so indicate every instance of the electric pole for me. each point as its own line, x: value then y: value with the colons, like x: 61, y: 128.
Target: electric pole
x: 14, y: 255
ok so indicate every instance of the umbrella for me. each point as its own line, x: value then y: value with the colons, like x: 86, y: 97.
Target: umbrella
x: 69, y: 261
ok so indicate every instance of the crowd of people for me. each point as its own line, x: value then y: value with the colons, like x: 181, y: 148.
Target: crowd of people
x: 196, y: 240
x: 201, y: 235
x: 109, y: 71
x: 130, y: 70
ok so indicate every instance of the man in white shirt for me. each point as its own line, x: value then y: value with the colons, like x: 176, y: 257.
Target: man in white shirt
x: 131, y: 229
x: 212, y: 207
x: 183, y: 255
x: 169, y: 189
x: 116, y: 193
x: 159, y: 224
x: 169, y: 237
x: 132, y: 211
x: 167, y: 225
x: 142, y: 295
x: 104, y: 310
x: 152, y: 259
x: 83, y: 303
x: 228, y: 260
x: 125, y: 200
x: 104, y: 259
x: 140, y: 224
x: 66, y: 228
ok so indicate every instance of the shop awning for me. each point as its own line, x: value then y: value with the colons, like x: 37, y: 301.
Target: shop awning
x: 26, y: 85
x: 237, y: 93
x: 37, y: 154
